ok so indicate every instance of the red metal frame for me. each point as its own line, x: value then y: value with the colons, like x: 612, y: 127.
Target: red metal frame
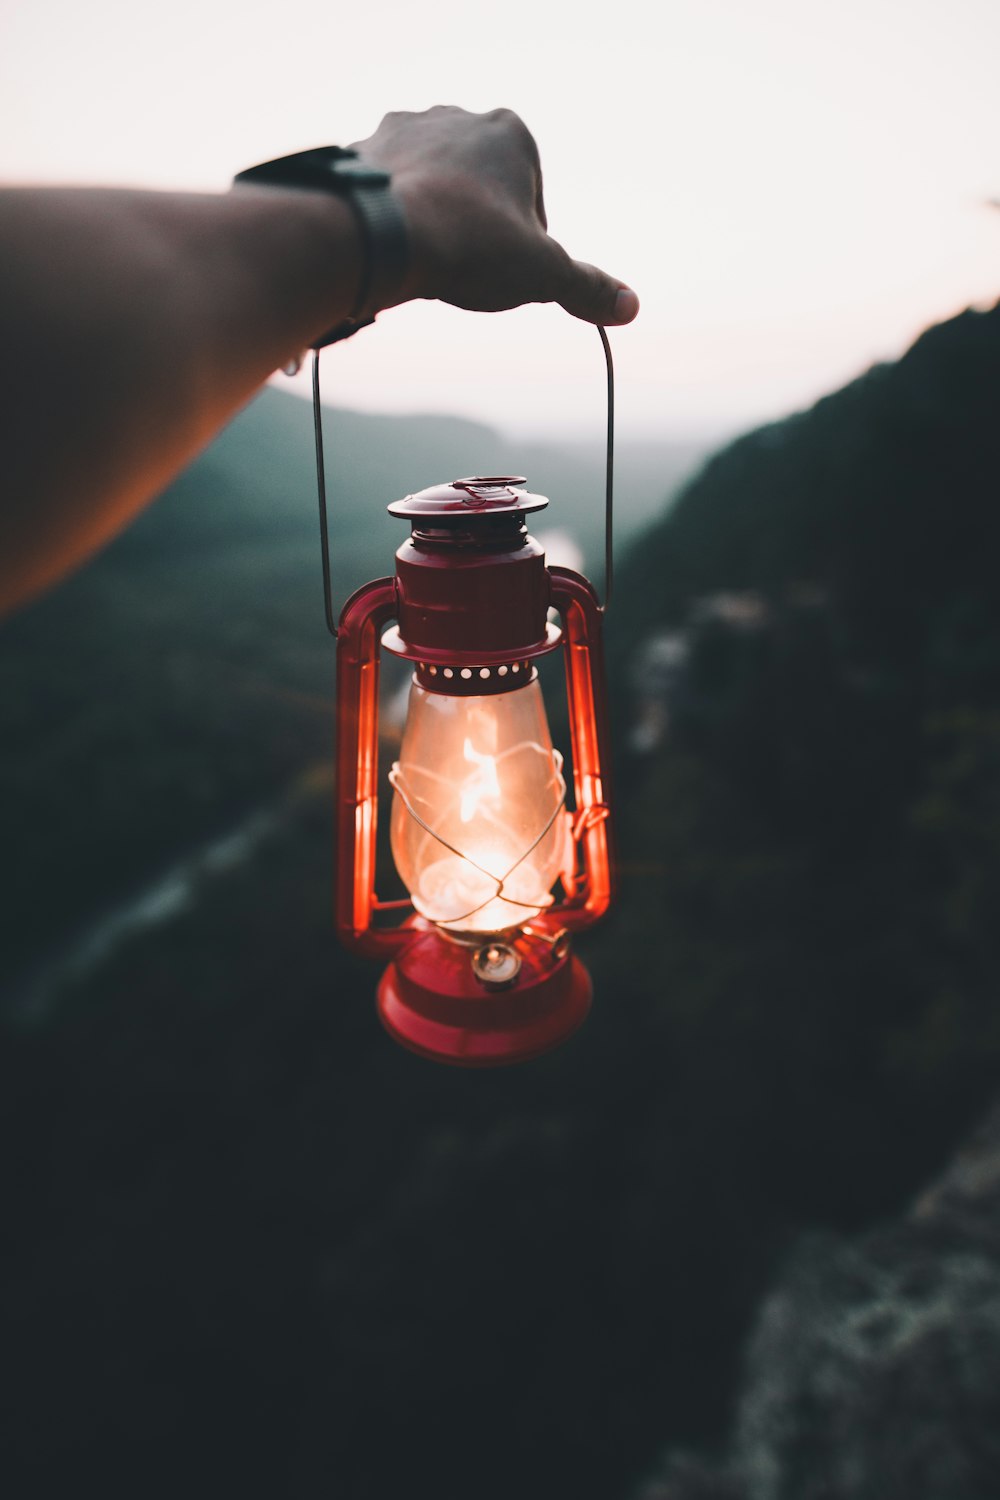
x: 355, y: 903
x: 586, y: 692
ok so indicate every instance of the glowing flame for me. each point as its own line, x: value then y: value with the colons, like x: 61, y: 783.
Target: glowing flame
x: 481, y: 784
x: 478, y: 830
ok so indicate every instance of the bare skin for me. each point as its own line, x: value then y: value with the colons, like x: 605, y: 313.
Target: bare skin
x: 134, y: 325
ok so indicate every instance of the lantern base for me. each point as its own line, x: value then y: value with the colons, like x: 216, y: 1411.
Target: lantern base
x: 430, y: 1001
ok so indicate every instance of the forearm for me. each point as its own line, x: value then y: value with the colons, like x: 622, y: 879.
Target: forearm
x: 133, y: 325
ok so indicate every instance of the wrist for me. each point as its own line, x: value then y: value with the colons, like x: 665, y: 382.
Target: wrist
x: 303, y: 253
x: 380, y: 220
x: 425, y: 231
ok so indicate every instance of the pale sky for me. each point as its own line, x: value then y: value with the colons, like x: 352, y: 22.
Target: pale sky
x: 794, y: 189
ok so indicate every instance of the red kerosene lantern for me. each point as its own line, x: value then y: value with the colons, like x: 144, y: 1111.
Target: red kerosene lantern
x: 482, y: 972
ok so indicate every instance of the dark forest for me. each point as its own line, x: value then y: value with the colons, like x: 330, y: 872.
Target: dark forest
x: 252, y: 1247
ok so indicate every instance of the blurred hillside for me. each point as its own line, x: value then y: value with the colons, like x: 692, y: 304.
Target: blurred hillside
x: 874, y: 1364
x: 884, y: 492
x: 186, y: 675
x: 812, y: 637
x: 253, y: 1247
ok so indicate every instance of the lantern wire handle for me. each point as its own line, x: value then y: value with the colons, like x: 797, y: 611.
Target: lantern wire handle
x: 324, y: 535
x: 609, y: 476
x: 324, y: 532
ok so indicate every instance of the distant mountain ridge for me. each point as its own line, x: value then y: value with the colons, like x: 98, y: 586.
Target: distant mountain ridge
x: 258, y: 477
x: 887, y: 489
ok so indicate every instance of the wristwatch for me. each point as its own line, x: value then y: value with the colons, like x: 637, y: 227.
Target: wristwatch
x: 337, y: 169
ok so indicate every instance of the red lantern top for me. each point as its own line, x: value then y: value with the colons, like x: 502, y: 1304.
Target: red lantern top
x: 472, y: 587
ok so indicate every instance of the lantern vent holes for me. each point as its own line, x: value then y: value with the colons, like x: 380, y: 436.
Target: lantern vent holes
x: 474, y: 679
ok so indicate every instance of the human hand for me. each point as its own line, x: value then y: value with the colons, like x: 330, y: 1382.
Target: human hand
x: 471, y: 190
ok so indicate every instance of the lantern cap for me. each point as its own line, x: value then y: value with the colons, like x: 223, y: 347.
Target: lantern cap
x: 479, y: 494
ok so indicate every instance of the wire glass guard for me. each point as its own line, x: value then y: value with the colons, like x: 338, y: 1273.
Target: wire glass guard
x: 479, y: 828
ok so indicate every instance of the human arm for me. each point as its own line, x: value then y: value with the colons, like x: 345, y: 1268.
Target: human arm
x: 135, y: 324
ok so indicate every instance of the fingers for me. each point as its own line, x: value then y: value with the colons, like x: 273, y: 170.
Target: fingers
x: 470, y: 187
x: 591, y: 294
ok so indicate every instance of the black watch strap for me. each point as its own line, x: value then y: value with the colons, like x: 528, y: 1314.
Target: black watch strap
x: 336, y: 169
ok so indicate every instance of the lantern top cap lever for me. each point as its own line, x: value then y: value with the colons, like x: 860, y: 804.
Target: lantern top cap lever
x: 479, y: 494
x: 481, y: 489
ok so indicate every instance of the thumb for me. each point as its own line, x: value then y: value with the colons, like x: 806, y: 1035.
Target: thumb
x: 591, y: 294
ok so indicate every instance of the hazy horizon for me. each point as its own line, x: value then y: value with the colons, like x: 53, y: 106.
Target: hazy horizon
x: 795, y: 192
